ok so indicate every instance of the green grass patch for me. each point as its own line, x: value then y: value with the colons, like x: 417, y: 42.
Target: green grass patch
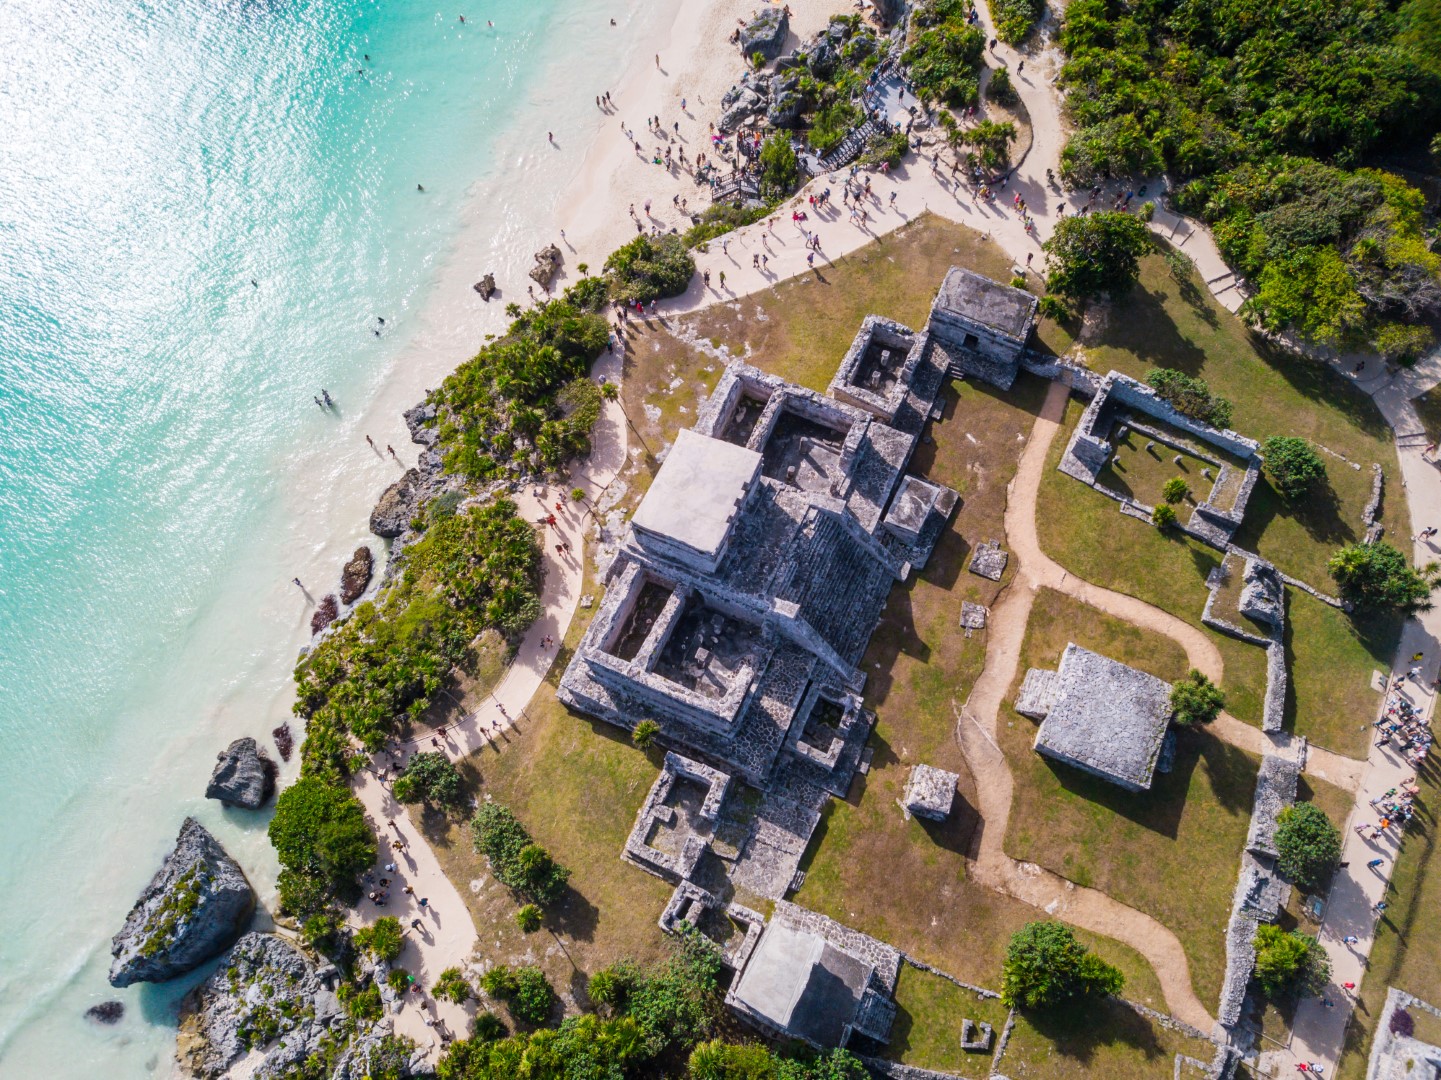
x: 1102, y: 1038
x: 927, y: 1031
x: 1140, y: 468
x: 1332, y: 657
x: 1145, y: 849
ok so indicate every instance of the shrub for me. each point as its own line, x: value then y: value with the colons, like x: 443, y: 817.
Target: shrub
x: 323, y: 842
x: 649, y: 268
x: 1163, y: 516
x: 526, y: 990
x: 519, y: 863
x: 1000, y: 88
x: 1020, y: 282
x: 831, y: 124
x: 1190, y: 396
x: 721, y: 218
x: 780, y: 168
x: 488, y: 1027
x: 1289, y: 963
x: 578, y: 494
x: 611, y: 986
x: 991, y: 141
x: 528, y: 918
x: 1053, y: 308
x: 1095, y: 254
x: 1196, y: 699
x: 645, y: 733
x: 944, y: 58
x: 429, y: 777
x: 390, y: 1058
x: 1015, y: 18
x: 453, y: 986
x: 1378, y: 576
x: 1293, y: 465
x: 326, y: 933
x: 1308, y: 845
x: 383, y: 939
x: 361, y: 1004
x: 1175, y: 490
x: 1180, y: 264
x: 399, y: 979
x: 886, y: 149
x: 1046, y: 967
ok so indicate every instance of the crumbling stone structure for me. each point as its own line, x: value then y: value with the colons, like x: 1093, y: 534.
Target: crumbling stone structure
x: 1100, y: 716
x: 736, y: 612
x: 985, y: 325
x: 1395, y: 1056
x: 930, y: 792
x: 1121, y: 402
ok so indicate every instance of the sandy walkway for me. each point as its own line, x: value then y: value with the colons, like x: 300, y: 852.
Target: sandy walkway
x: 447, y: 935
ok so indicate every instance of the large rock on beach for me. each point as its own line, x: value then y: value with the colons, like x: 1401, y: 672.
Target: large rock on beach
x: 194, y: 908
x: 243, y: 776
x: 547, y: 264
x: 765, y: 34
x: 786, y: 110
x: 396, y: 507
x: 355, y: 576
x: 271, y: 998
x: 106, y: 1012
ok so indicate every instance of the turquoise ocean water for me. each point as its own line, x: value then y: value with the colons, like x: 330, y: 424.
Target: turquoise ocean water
x: 163, y: 471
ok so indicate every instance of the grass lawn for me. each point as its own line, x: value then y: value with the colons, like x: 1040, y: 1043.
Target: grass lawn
x: 1428, y: 407
x: 1408, y: 939
x: 1165, y: 323
x: 927, y: 1032
x: 1100, y: 1039
x: 1330, y: 654
x: 1171, y: 851
x: 1140, y: 472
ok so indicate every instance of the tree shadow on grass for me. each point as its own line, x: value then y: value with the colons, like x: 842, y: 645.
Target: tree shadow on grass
x: 1319, y: 513
x: 1081, y: 1031
x: 574, y: 916
x: 1317, y: 381
x: 1139, y: 323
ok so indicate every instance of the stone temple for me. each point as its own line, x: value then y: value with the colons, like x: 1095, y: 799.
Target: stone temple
x: 735, y: 617
x: 1101, y: 716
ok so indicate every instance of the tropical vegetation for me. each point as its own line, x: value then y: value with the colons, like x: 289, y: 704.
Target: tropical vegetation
x: 1190, y: 396
x: 1196, y: 699
x: 1308, y: 845
x: 518, y: 861
x: 1046, y: 967
x: 1088, y: 255
x: 1293, y: 465
x: 1378, y: 576
x: 1289, y: 964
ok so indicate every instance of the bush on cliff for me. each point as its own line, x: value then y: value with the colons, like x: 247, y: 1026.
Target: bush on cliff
x: 649, y: 268
x: 478, y: 569
x: 323, y: 842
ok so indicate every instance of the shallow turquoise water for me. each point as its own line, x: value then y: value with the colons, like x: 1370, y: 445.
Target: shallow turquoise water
x: 155, y: 406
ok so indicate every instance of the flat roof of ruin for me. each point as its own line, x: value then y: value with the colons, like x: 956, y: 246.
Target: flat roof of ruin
x: 696, y: 493
x: 987, y: 302
x: 1107, y: 716
x: 802, y: 984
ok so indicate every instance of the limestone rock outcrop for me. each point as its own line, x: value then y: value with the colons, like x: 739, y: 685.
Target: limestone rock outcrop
x: 547, y: 263
x: 485, y: 286
x: 270, y: 997
x: 765, y: 34
x: 243, y: 776
x: 355, y: 577
x: 194, y: 908
x: 396, y: 506
x: 106, y: 1012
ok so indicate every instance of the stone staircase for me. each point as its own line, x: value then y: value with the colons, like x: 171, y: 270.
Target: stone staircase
x: 850, y: 148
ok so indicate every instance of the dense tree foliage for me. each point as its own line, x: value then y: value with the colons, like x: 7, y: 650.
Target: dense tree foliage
x: 1265, y: 107
x: 990, y: 140
x: 523, y: 402
x: 453, y: 986
x: 780, y: 168
x: 525, y: 989
x: 1378, y: 576
x: 1293, y: 465
x: 649, y: 268
x: 1190, y: 396
x: 1196, y: 699
x: 1046, y: 967
x: 478, y: 569
x: 944, y: 53
x: 1308, y: 845
x: 1015, y: 19
x: 429, y: 777
x: 1094, y: 254
x: 323, y: 842
x: 383, y: 939
x: 1289, y: 964
x: 518, y: 861
x: 717, y: 1060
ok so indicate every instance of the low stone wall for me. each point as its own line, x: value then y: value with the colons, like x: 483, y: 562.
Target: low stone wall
x: 921, y: 965
x: 1370, y: 516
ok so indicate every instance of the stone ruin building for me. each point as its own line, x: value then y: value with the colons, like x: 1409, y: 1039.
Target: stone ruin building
x: 1121, y: 405
x: 985, y: 324
x: 930, y: 793
x: 735, y: 617
x: 1100, y: 716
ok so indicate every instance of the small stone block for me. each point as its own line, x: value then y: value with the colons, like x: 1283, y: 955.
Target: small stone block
x: 973, y: 616
x: 976, y: 1037
x: 930, y: 792
x: 989, y: 561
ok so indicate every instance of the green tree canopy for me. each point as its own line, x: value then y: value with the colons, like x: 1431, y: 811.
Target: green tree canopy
x: 383, y: 939
x: 1094, y: 254
x: 1378, y: 576
x: 519, y: 863
x: 1293, y: 465
x: 1190, y: 396
x: 430, y: 777
x: 990, y: 140
x: 525, y: 989
x: 1196, y: 699
x: 1289, y: 963
x: 1046, y: 967
x: 780, y: 168
x: 323, y: 842
x: 1308, y: 845
x: 649, y: 268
